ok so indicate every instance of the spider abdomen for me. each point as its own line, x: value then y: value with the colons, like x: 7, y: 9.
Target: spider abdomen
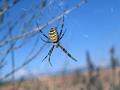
x: 53, y: 35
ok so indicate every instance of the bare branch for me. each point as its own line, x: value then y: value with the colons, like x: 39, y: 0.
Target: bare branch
x: 21, y: 45
x: 9, y: 6
x: 12, y: 52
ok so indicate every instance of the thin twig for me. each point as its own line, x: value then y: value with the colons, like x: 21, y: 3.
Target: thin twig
x: 9, y: 6
x: 21, y: 17
x: 12, y: 52
x: 33, y: 48
x: 21, y: 45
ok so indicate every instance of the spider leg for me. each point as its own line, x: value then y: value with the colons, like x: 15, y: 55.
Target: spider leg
x: 49, y: 59
x: 62, y: 35
x: 66, y: 52
x: 51, y: 50
x: 45, y: 57
x: 62, y: 26
x: 49, y: 53
x: 42, y: 32
x: 45, y: 40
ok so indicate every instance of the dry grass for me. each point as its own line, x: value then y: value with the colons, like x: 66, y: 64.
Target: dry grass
x: 101, y: 80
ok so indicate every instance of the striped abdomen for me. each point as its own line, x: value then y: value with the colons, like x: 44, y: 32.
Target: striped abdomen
x: 53, y: 35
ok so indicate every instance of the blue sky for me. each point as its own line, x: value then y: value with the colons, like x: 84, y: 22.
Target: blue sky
x: 95, y: 26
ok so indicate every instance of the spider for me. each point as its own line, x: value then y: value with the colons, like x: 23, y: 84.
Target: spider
x: 55, y: 37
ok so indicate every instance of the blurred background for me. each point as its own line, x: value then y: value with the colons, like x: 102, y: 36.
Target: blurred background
x: 92, y: 37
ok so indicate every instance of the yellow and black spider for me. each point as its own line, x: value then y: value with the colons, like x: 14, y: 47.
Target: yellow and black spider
x: 54, y: 38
